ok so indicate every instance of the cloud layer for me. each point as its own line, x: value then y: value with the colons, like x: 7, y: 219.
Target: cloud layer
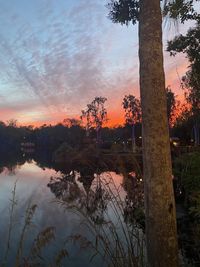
x: 58, y: 55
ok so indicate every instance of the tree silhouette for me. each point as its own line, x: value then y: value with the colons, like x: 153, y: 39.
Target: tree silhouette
x: 132, y: 109
x: 70, y: 122
x: 12, y: 123
x: 95, y: 115
x: 190, y: 45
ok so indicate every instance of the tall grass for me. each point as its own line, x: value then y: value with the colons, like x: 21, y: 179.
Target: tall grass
x: 102, y: 209
x: 13, y: 202
x: 39, y: 242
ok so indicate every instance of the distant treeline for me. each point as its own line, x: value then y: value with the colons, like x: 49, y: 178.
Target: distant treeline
x: 49, y: 137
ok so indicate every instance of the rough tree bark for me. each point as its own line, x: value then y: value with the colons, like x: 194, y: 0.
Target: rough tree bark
x: 161, y: 234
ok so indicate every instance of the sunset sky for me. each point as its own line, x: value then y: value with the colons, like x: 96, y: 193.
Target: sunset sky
x: 57, y: 55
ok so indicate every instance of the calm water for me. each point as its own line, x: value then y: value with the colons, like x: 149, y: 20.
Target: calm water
x: 31, y: 188
x: 53, y: 192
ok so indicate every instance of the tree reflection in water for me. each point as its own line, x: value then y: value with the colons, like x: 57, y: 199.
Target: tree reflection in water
x: 65, y: 187
x: 86, y: 193
x: 92, y: 192
x: 107, y: 210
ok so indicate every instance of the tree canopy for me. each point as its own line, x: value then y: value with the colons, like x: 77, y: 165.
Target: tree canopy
x: 132, y: 109
x: 127, y: 11
x: 95, y: 113
x: 189, y: 44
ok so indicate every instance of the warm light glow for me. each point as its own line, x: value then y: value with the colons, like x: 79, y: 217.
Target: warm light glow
x: 175, y: 143
x: 54, y: 76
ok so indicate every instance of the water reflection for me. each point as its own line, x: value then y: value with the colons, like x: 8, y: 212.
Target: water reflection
x: 104, y: 205
x: 39, y: 183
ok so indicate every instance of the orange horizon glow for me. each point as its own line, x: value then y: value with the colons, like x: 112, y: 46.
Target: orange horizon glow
x: 113, y: 122
x: 113, y: 105
x: 114, y: 119
x: 50, y: 75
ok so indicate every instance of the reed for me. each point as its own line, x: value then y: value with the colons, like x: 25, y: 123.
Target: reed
x: 118, y: 242
x: 39, y: 243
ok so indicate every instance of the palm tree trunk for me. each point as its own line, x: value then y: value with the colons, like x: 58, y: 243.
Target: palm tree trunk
x: 162, y: 249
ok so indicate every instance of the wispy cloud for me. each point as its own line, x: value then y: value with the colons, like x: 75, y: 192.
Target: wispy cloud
x: 56, y: 57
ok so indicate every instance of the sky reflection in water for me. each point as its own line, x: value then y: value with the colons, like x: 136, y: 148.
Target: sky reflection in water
x: 32, y: 187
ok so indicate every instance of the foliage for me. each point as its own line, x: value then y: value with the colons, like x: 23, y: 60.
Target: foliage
x: 124, y: 11
x: 133, y: 114
x: 127, y: 11
x: 95, y: 113
x: 187, y: 173
x: 183, y: 128
x: 190, y: 45
x: 187, y: 169
x: 181, y: 9
x: 132, y: 109
x: 51, y: 137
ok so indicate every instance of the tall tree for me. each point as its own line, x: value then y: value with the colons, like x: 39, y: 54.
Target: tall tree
x: 161, y: 239
x: 95, y: 115
x: 132, y: 109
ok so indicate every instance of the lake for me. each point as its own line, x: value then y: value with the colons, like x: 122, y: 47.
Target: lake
x: 63, y: 201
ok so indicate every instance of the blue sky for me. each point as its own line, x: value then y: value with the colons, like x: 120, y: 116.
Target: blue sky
x: 56, y: 56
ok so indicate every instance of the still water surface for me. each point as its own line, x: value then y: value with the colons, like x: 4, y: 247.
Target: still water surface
x: 31, y: 188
